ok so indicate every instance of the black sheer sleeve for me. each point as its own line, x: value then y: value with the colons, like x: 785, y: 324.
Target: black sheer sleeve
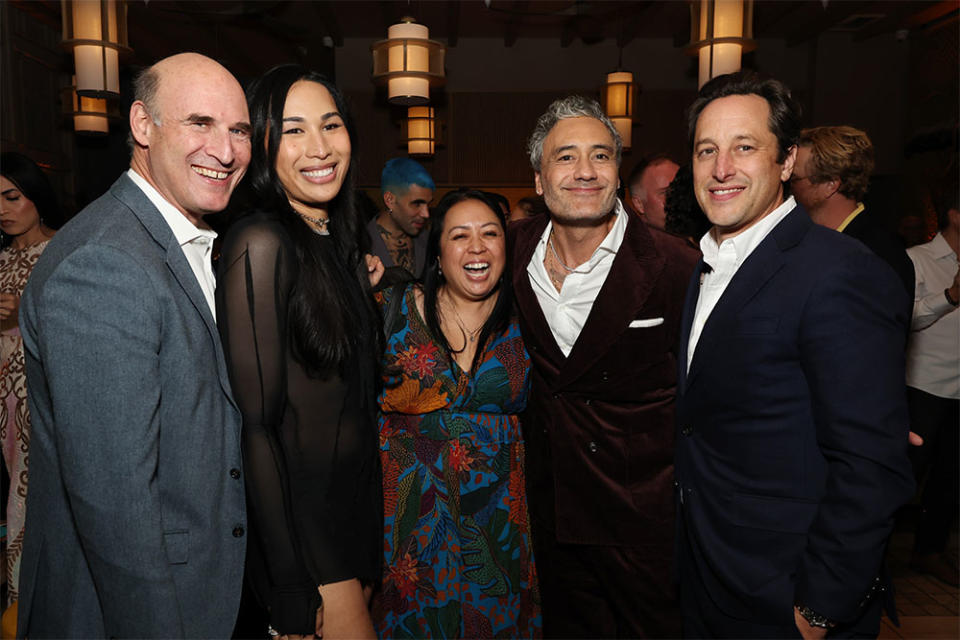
x: 256, y: 271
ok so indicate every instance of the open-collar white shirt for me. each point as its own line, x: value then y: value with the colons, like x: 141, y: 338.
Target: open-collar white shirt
x: 724, y: 260
x: 196, y: 243
x: 567, y: 310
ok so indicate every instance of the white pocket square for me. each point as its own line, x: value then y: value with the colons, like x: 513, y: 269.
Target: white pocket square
x: 644, y: 324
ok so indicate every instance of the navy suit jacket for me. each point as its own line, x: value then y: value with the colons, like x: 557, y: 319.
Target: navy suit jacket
x: 135, y: 514
x: 792, y: 427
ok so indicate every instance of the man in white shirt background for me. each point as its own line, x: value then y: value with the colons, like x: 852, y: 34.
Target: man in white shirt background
x: 933, y: 390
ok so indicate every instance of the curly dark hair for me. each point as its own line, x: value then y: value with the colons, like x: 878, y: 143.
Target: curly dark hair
x: 684, y: 215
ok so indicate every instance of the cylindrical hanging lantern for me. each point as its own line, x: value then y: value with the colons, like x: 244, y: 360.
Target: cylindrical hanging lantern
x: 96, y: 31
x: 421, y: 131
x: 619, y: 96
x: 720, y: 31
x: 409, y: 62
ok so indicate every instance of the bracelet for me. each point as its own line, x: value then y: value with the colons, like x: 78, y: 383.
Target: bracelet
x: 946, y: 294
x: 814, y: 619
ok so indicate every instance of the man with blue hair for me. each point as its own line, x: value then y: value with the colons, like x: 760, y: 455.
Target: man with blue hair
x: 396, y: 233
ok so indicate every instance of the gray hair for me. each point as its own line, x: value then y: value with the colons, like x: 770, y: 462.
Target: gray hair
x: 145, y: 88
x: 561, y: 109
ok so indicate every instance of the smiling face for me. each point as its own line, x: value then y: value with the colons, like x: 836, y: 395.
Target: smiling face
x: 578, y: 173
x: 314, y: 153
x: 200, y: 149
x: 472, y: 250
x: 410, y: 210
x: 18, y: 213
x: 736, y: 175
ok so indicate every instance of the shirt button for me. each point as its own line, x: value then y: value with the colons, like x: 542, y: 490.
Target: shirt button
x: 686, y: 431
x: 604, y: 376
x: 238, y: 531
x: 587, y: 402
x: 592, y: 447
x: 235, y: 473
x: 556, y: 396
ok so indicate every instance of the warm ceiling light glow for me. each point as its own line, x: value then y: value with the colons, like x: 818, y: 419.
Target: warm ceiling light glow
x: 721, y: 30
x: 619, y: 96
x: 409, y: 61
x: 96, y: 31
x: 90, y: 115
x: 421, y: 131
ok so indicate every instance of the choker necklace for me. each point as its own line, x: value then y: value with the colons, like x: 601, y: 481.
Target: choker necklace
x: 557, y: 255
x: 320, y: 222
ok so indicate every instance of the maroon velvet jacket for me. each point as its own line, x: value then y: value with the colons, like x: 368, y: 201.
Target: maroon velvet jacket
x: 599, y: 425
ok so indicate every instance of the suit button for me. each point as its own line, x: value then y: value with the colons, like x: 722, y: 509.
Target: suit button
x: 587, y: 402
x: 235, y: 473
x: 556, y: 396
x: 592, y: 447
x: 604, y: 376
x: 238, y: 531
x: 686, y: 431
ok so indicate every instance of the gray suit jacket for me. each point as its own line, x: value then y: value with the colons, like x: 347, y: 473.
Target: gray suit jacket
x: 135, y: 514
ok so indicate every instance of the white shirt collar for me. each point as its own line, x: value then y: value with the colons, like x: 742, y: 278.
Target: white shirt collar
x: 746, y: 241
x: 610, y: 244
x: 183, y: 230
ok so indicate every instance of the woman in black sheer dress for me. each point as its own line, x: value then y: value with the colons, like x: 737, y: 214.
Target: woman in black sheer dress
x: 301, y: 336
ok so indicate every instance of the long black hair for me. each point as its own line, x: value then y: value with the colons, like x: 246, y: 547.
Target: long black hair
x: 433, y: 277
x: 332, y: 317
x: 34, y: 184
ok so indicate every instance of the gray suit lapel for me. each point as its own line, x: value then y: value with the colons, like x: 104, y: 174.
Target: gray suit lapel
x: 130, y: 194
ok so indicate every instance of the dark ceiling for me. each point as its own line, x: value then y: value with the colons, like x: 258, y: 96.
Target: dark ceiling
x: 253, y: 35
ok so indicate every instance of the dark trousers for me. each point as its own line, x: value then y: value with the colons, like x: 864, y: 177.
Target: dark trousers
x: 937, y: 420
x: 591, y: 591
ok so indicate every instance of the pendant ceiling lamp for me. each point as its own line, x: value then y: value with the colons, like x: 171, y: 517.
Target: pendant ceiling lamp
x: 96, y: 32
x: 720, y: 32
x: 421, y: 131
x: 409, y: 62
x: 619, y: 98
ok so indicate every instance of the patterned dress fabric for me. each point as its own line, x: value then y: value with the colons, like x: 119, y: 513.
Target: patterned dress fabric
x: 15, y: 268
x: 458, y: 561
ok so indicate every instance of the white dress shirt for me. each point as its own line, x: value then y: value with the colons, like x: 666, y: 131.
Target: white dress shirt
x: 933, y: 352
x: 196, y: 243
x: 725, y: 259
x: 567, y: 311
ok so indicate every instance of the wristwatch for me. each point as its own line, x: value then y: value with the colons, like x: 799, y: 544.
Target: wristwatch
x: 814, y: 619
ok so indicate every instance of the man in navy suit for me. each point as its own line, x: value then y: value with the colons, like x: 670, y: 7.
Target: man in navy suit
x: 791, y: 412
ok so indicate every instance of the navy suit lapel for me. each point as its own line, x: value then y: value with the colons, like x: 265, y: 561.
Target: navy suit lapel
x: 762, y: 265
x: 130, y: 194
x: 633, y: 275
x: 686, y: 322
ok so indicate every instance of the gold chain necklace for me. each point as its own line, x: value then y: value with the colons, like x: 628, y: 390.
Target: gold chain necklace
x: 557, y: 255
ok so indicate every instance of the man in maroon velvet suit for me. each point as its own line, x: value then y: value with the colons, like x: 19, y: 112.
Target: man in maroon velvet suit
x: 600, y: 297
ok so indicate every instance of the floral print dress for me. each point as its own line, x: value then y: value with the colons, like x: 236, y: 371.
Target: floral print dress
x: 15, y: 268
x: 457, y: 551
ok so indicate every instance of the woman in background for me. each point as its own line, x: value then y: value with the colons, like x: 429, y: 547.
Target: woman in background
x: 457, y: 552
x: 28, y: 216
x: 301, y: 335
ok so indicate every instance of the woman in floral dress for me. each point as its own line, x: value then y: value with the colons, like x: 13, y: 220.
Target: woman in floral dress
x: 457, y: 551
x: 28, y: 215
